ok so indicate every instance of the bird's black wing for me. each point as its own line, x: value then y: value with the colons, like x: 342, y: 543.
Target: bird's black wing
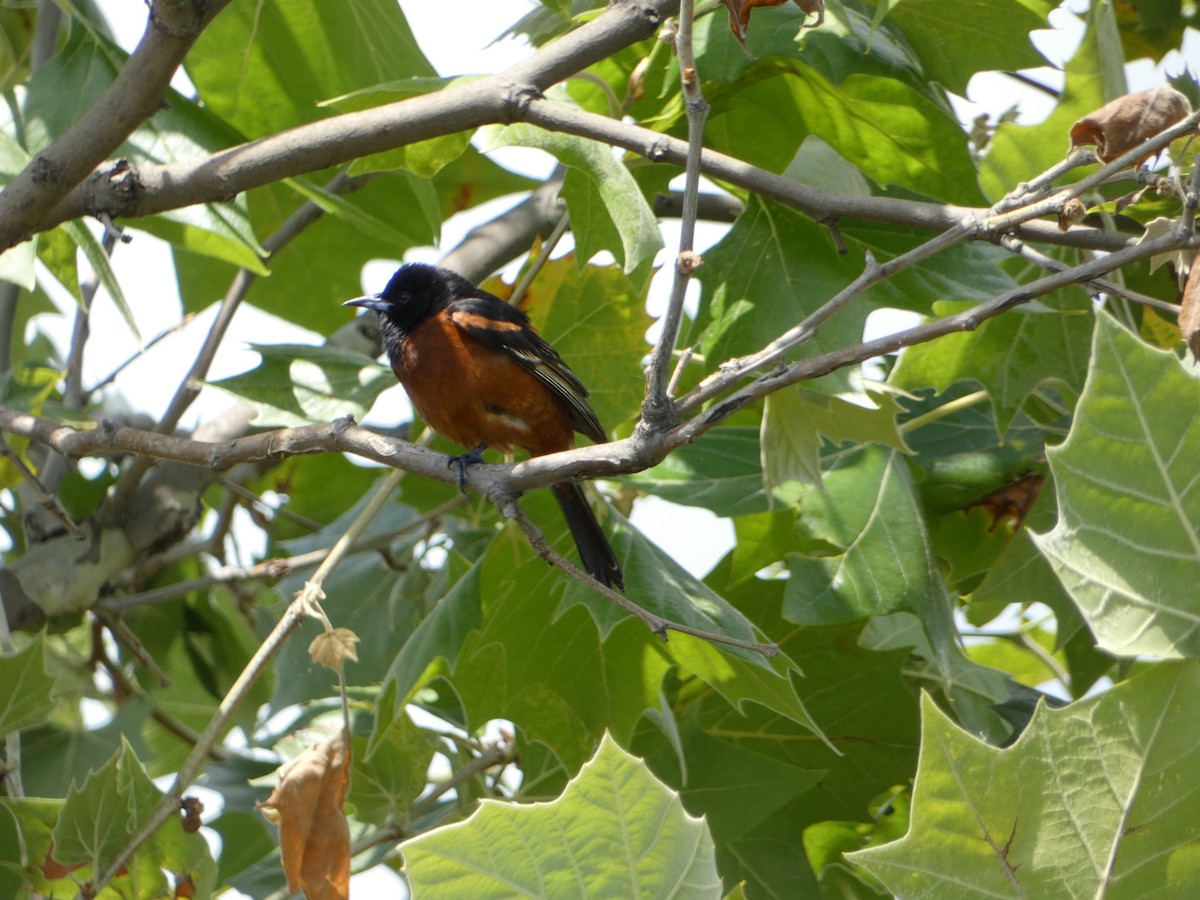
x: 502, y: 327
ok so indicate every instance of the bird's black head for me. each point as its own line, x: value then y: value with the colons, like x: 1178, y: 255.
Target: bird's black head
x: 414, y: 293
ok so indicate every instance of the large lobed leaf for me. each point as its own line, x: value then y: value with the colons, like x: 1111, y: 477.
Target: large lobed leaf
x: 615, y: 832
x: 1092, y: 801
x: 1128, y: 532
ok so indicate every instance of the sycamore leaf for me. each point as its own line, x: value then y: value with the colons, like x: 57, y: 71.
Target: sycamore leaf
x: 615, y: 832
x: 1128, y: 121
x: 309, y: 806
x: 1128, y: 532
x: 99, y: 817
x: 25, y: 688
x: 1089, y: 802
x: 795, y: 420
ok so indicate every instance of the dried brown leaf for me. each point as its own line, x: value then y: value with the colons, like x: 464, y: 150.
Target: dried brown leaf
x: 334, y: 648
x: 1189, y: 311
x: 1128, y: 121
x: 309, y: 807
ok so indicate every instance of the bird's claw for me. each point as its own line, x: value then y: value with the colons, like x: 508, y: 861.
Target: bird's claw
x: 466, y: 459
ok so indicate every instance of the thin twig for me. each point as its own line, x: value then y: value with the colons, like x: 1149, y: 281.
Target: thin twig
x: 685, y: 357
x: 657, y: 407
x: 166, y: 332
x: 271, y: 569
x: 873, y: 273
x: 967, y: 320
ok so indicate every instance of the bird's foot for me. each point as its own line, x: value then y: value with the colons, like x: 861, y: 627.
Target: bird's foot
x: 467, y: 459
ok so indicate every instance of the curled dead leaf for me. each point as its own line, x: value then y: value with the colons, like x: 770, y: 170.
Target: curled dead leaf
x: 309, y: 807
x: 1189, y: 311
x: 739, y: 15
x: 1128, y: 121
x: 334, y: 648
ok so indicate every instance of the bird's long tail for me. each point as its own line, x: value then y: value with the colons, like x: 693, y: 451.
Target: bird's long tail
x: 594, y: 549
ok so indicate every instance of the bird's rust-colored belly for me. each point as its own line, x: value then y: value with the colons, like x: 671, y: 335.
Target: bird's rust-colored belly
x: 475, y: 396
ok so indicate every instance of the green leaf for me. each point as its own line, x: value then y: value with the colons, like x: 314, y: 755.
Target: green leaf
x: 266, y: 67
x: 112, y: 805
x: 1010, y: 356
x: 16, y: 264
x: 312, y: 274
x: 795, y: 420
x: 868, y: 509
x: 98, y: 259
x: 394, y: 772
x: 608, y: 211
x: 969, y: 270
x: 616, y: 831
x: 424, y: 158
x: 954, y: 39
x: 1128, y: 532
x: 25, y: 687
x: 297, y: 384
x: 772, y: 268
x: 892, y: 132
x: 1085, y: 804
x: 71, y: 82
x: 721, y: 472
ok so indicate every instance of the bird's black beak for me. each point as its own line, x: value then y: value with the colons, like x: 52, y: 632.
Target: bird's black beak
x: 371, y: 302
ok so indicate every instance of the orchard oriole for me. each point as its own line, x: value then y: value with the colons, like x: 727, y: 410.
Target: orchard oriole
x: 478, y: 373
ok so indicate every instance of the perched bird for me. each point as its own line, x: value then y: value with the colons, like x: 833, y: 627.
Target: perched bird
x: 478, y: 373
